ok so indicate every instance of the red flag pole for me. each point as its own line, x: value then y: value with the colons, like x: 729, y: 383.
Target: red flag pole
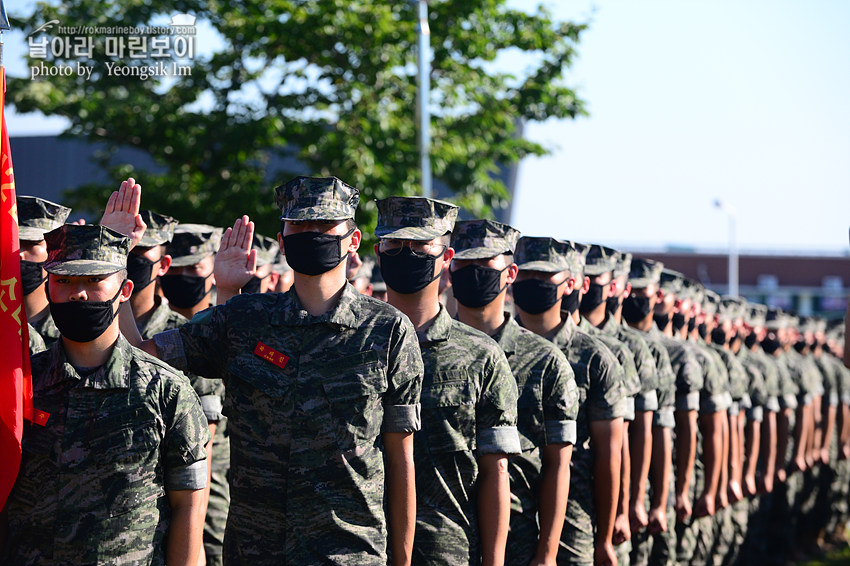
x: 15, y: 375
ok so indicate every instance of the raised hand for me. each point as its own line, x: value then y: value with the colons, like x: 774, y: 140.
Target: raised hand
x: 122, y: 211
x: 235, y: 262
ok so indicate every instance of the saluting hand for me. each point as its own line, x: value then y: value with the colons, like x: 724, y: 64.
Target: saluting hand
x: 122, y: 211
x: 235, y: 262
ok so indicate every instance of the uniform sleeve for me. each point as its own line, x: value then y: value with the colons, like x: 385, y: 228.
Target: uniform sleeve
x: 663, y: 417
x: 560, y: 400
x: 186, y: 434
x: 404, y: 376
x: 606, y: 399
x: 647, y: 399
x: 199, y: 346
x: 496, y: 413
x: 689, y: 381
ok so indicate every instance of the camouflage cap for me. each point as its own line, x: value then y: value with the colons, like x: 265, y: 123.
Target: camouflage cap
x: 624, y: 264
x: 365, y: 270
x: 672, y: 282
x: 483, y: 239
x: 542, y: 254
x: 192, y: 243
x: 88, y: 249
x: 710, y: 303
x: 755, y: 314
x: 37, y: 216
x: 774, y: 319
x: 599, y: 260
x: 267, y: 249
x: 316, y: 198
x: 576, y: 258
x: 730, y: 308
x: 645, y: 272
x: 160, y: 229
x: 414, y: 218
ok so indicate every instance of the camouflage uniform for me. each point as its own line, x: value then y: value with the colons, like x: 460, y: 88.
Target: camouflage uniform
x: 601, y: 397
x: 548, y: 397
x: 36, y: 217
x: 469, y: 405
x: 194, y: 241
x: 106, y: 443
x: 307, y: 399
x: 36, y: 343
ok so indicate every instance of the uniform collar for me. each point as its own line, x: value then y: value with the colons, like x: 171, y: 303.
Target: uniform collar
x: 508, y: 335
x: 438, y: 330
x: 288, y: 310
x: 114, y: 374
x: 564, y: 335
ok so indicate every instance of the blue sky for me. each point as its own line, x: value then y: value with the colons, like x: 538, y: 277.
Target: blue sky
x: 689, y: 102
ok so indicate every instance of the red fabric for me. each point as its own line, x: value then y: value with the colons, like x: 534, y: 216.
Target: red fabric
x: 15, y: 375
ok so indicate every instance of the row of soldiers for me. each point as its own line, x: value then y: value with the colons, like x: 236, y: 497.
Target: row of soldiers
x: 520, y: 400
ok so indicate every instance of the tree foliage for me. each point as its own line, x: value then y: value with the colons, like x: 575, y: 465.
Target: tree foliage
x: 329, y: 82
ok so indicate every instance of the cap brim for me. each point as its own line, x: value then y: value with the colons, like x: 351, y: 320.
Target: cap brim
x: 544, y: 266
x: 148, y: 242
x: 418, y: 233
x: 594, y: 270
x: 317, y: 213
x: 642, y: 283
x: 30, y: 234
x: 186, y: 260
x: 80, y: 267
x: 478, y: 253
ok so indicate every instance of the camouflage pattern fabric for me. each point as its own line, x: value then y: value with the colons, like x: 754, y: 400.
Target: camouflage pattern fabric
x: 307, y: 398
x: 159, y: 231
x: 87, y: 249
x: 46, y: 329
x: 37, y: 216
x: 547, y: 408
x: 600, y: 384
x: 647, y: 397
x: 737, y: 374
x: 542, y: 254
x: 36, y: 342
x: 631, y: 382
x: 193, y: 242
x: 645, y: 272
x: 469, y: 408
x: 94, y: 474
x: 316, y: 198
x: 483, y: 239
x: 211, y: 394
x: 267, y: 249
x: 414, y: 218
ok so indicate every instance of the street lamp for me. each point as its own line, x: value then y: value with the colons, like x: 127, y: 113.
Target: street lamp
x: 423, y: 88
x: 732, y: 213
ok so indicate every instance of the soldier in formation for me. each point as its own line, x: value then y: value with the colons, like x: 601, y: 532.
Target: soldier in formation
x: 572, y: 405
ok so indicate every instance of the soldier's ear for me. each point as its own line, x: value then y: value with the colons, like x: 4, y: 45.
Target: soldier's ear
x: 356, y: 238
x: 126, y: 291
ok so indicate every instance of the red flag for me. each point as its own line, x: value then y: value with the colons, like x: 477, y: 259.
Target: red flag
x: 15, y: 376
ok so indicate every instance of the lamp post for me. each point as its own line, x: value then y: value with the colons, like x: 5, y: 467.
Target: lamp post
x: 732, y: 213
x: 423, y: 88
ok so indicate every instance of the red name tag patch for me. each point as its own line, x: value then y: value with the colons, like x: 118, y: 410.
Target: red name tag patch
x: 271, y: 355
x: 40, y: 417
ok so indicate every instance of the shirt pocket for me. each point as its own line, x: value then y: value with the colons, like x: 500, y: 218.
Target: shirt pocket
x: 354, y: 386
x: 448, y: 412
x: 261, y: 374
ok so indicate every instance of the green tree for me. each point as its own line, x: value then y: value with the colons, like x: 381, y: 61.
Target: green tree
x: 329, y: 82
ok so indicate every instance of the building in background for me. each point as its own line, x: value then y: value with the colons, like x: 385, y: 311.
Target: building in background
x: 807, y: 284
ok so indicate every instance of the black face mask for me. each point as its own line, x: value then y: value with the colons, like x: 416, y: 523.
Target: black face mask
x: 692, y: 324
x: 661, y: 320
x: 31, y: 276
x: 313, y: 253
x: 770, y: 345
x: 140, y: 271
x: 593, y: 297
x: 406, y: 272
x: 718, y: 336
x: 635, y: 309
x: 83, y: 321
x: 750, y: 340
x: 702, y: 330
x: 253, y: 284
x: 800, y: 346
x: 612, y: 304
x: 475, y: 286
x: 678, y: 321
x: 535, y: 296
x: 184, y: 291
x: 570, y: 302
